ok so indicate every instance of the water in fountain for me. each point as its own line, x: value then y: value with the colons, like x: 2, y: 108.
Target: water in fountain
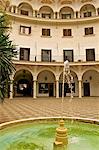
x: 40, y: 136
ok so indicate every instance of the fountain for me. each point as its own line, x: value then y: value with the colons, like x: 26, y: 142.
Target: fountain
x: 39, y: 133
x: 61, y: 140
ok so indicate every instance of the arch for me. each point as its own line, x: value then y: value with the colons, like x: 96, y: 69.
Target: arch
x: 45, y: 68
x: 72, y: 71
x: 46, y: 73
x: 66, y: 12
x: 65, y: 1
x: 25, y: 8
x: 88, y: 69
x: 46, y: 12
x: 90, y: 83
x: 87, y: 10
x: 23, y: 83
x: 46, y: 83
x: 23, y: 68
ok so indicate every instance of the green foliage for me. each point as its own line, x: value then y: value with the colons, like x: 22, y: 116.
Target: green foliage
x: 7, y: 52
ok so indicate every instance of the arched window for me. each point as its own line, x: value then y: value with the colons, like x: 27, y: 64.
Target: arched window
x: 66, y: 13
x: 46, y: 12
x: 87, y: 11
x: 25, y: 9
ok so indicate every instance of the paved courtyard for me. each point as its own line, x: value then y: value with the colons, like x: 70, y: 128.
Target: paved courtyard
x: 20, y: 108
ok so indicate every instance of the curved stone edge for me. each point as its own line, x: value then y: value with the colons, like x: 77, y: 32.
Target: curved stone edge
x: 28, y: 120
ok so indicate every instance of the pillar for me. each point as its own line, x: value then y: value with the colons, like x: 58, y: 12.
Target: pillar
x: 80, y: 87
x: 96, y: 11
x: 34, y: 89
x: 57, y: 88
x: 11, y: 86
x: 16, y: 10
x: 58, y: 17
x: 79, y: 14
x: 75, y: 14
x: 54, y: 16
x: 34, y: 13
x: 12, y: 9
x: 11, y: 90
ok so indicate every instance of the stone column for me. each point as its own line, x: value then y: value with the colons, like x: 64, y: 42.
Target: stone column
x: 80, y: 88
x: 58, y: 17
x: 96, y: 12
x: 34, y: 89
x: 12, y: 9
x: 57, y: 88
x: 11, y: 90
x: 75, y: 14
x: 11, y: 87
x: 54, y: 15
x: 78, y: 14
x: 34, y: 13
x: 16, y: 10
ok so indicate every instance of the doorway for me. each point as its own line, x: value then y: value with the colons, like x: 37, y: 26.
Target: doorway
x: 86, y: 89
x: 51, y: 89
x: 23, y: 84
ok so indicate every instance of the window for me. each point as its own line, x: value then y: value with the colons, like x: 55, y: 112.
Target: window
x: 45, y: 32
x: 87, y: 14
x: 89, y: 31
x: 24, y: 12
x: 46, y: 15
x: 90, y: 54
x: 25, y: 30
x: 43, y: 87
x: 24, y: 53
x: 66, y: 16
x: 68, y: 55
x: 46, y: 55
x: 67, y: 32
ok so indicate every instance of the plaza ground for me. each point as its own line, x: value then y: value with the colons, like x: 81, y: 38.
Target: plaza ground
x: 21, y: 108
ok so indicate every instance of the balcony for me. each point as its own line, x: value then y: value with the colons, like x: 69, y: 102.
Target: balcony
x: 56, y: 21
x: 57, y: 61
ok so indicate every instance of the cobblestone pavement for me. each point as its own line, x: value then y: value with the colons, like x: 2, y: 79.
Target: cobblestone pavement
x: 20, y: 108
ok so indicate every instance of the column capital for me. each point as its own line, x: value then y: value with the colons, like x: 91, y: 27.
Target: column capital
x: 35, y: 78
x: 12, y: 77
x: 80, y: 78
x: 57, y: 77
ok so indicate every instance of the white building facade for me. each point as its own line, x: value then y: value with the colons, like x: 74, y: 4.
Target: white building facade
x: 46, y: 33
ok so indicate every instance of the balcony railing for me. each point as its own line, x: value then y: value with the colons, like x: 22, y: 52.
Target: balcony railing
x: 59, y: 17
x: 59, y: 58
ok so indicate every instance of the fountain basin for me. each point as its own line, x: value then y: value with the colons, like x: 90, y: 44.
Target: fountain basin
x: 39, y: 134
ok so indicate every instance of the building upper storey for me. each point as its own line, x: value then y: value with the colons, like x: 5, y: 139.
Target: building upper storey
x: 55, y: 9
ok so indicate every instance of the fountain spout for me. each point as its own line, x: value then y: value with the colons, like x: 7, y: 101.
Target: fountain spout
x: 61, y: 140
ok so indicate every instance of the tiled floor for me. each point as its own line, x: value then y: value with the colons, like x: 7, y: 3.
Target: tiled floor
x: 20, y: 108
